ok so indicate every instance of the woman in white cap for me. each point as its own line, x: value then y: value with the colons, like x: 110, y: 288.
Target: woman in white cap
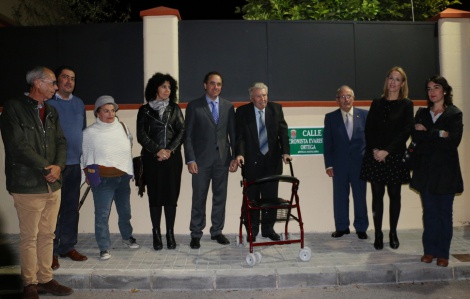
x: 107, y: 162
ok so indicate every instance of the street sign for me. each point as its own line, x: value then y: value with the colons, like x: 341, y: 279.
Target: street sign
x: 306, y: 141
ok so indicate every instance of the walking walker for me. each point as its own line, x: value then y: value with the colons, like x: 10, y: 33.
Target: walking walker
x: 285, y: 211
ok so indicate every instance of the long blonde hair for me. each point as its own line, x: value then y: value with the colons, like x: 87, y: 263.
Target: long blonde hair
x: 404, y: 89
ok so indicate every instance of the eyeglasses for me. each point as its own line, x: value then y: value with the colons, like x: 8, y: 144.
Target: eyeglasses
x: 50, y: 81
x: 344, y: 97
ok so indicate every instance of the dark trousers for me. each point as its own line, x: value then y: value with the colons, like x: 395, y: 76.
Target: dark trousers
x: 394, y: 194
x: 267, y: 217
x: 438, y: 224
x: 67, y: 221
x: 343, y: 182
x: 215, y: 175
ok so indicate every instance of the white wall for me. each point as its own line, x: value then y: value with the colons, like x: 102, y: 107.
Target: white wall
x: 315, y: 192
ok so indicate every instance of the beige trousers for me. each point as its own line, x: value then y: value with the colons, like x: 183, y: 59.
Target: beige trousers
x: 37, y: 215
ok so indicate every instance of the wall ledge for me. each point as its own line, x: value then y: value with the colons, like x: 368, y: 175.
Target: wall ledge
x: 286, y: 104
x: 451, y: 13
x: 161, y: 11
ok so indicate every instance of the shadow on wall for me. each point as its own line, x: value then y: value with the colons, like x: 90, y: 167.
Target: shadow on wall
x: 11, y: 285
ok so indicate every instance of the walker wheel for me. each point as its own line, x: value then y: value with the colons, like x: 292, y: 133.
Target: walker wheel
x: 250, y: 259
x: 258, y: 257
x: 305, y: 254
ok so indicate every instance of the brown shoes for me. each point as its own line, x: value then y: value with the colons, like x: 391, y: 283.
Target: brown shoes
x: 30, y: 292
x: 74, y: 255
x: 54, y: 288
x: 427, y: 258
x: 55, y: 262
x: 442, y: 262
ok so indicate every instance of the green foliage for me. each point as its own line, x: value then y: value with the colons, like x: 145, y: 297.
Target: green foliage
x: 355, y: 10
x: 61, y: 12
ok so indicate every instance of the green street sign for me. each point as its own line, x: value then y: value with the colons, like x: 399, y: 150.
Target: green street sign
x: 306, y: 141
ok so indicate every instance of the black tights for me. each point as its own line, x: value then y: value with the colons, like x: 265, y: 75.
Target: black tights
x: 156, y: 216
x: 394, y: 193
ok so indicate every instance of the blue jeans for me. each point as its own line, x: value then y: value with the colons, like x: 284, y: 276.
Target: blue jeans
x: 119, y: 190
x: 67, y: 221
x: 438, y: 224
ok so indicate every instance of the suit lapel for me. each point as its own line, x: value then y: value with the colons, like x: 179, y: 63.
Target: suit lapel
x: 340, y: 122
x: 208, y: 111
x: 253, y: 127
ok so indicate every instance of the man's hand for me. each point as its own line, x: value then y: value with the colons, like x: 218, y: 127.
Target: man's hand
x: 233, y: 166
x: 192, y: 168
x: 240, y: 161
x: 286, y: 158
x: 330, y: 172
x: 54, y: 173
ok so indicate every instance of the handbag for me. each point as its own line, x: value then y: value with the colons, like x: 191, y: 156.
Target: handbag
x: 409, y: 155
x: 138, y: 170
x: 139, y: 175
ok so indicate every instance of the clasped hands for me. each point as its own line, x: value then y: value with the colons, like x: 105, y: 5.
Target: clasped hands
x: 163, y: 154
x: 54, y: 173
x: 380, y: 155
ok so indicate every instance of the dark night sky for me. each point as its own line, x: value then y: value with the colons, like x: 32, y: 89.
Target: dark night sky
x: 210, y: 9
x: 192, y: 9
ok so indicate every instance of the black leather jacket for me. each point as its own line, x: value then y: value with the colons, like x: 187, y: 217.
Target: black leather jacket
x: 30, y: 146
x: 155, y: 133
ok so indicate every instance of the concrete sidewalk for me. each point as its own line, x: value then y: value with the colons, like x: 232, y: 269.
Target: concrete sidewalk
x: 343, y: 261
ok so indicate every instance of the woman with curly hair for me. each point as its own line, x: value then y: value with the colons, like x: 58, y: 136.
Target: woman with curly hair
x: 160, y: 131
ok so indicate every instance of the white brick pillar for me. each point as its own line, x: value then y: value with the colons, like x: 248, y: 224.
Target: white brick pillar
x: 160, y: 41
x: 454, y: 57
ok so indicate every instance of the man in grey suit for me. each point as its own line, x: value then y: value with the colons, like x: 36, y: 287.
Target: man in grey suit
x: 344, y: 146
x: 209, y: 154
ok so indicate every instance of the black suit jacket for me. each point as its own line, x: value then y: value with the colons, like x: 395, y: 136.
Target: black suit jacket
x: 247, y: 144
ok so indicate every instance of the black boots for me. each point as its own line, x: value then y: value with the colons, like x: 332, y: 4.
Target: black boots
x: 379, y: 241
x: 157, y: 239
x: 394, y: 243
x: 170, y: 239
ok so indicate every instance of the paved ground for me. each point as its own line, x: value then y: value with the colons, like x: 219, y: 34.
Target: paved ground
x: 455, y: 289
x: 333, y: 262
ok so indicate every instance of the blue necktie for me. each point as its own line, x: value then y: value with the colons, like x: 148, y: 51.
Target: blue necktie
x: 262, y: 135
x: 215, y: 113
x: 349, y: 125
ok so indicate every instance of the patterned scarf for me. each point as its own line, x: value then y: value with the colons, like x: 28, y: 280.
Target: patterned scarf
x: 159, y: 105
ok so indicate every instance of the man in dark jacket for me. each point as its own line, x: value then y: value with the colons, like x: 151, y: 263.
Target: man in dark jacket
x: 35, y: 152
x: 261, y: 147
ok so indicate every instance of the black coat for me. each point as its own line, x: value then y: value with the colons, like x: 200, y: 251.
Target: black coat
x: 437, y: 166
x: 247, y: 144
x: 155, y: 133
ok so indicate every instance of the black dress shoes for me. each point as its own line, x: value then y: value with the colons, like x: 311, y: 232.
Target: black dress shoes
x: 272, y: 236
x: 195, y: 243
x: 221, y: 239
x: 340, y: 233
x: 394, y: 243
x: 361, y: 235
x: 379, y: 241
